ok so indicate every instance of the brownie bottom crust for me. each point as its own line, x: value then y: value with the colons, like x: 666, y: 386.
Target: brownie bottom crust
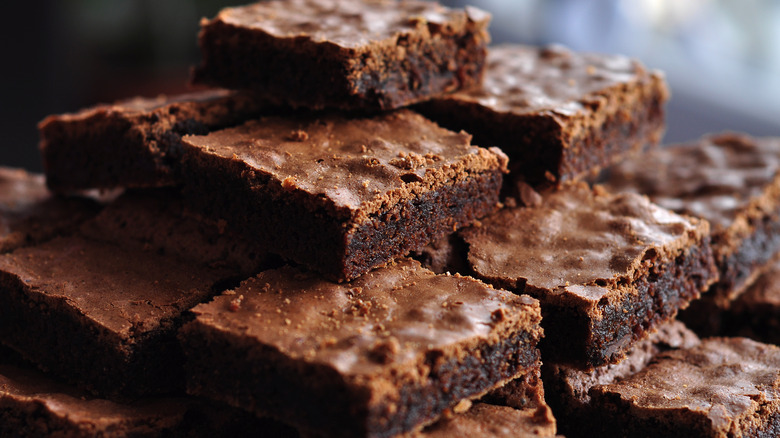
x: 668, y: 287
x: 326, y: 243
x: 327, y: 404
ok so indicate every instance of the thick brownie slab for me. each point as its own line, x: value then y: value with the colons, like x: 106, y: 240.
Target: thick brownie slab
x: 729, y: 179
x: 100, y: 315
x: 568, y: 388
x: 343, y: 195
x: 33, y: 405
x: 559, y: 115
x: 383, y: 354
x: 157, y: 220
x: 491, y: 421
x: 133, y: 143
x: 607, y: 269
x: 349, y: 54
x: 29, y: 214
x: 724, y: 387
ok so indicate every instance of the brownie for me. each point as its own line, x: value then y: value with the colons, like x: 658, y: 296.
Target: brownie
x: 33, y: 405
x: 568, y: 387
x: 386, y: 353
x: 158, y: 221
x: 133, y: 143
x: 729, y: 179
x: 339, y: 194
x: 348, y: 54
x: 485, y: 420
x: 29, y: 214
x: 724, y: 387
x: 100, y: 315
x: 559, y: 115
x: 607, y: 269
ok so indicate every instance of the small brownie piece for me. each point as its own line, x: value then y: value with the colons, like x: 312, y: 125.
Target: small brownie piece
x: 384, y: 354
x: 491, y: 421
x: 568, y: 387
x: 348, y: 54
x: 731, y: 180
x: 33, y: 405
x: 100, y: 315
x: 343, y: 195
x: 559, y: 115
x: 724, y: 387
x: 607, y: 269
x: 157, y: 220
x: 133, y: 143
x: 29, y: 214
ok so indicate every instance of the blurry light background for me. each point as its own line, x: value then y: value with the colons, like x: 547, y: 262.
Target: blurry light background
x: 721, y: 57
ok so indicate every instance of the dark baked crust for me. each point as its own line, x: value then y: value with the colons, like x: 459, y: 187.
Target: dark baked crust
x: 607, y: 268
x: 722, y: 387
x: 99, y: 315
x: 387, y: 353
x: 343, y: 195
x: 380, y: 54
x: 29, y: 214
x: 558, y: 115
x: 731, y: 180
x: 133, y: 143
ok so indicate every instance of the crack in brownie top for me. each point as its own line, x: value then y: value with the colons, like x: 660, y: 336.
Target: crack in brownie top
x: 383, y: 320
x: 715, y: 178
x: 523, y: 79
x: 579, y: 239
x: 351, y: 24
x: 364, y: 164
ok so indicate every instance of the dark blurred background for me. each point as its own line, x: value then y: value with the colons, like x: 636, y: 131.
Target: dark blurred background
x: 722, y: 57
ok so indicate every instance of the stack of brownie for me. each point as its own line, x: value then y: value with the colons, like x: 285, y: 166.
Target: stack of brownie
x: 368, y: 223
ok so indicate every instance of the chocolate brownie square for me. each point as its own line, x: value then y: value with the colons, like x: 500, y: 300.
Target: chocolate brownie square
x: 731, y: 180
x: 29, y: 214
x: 492, y: 421
x: 607, y: 269
x: 349, y: 54
x: 559, y: 115
x: 100, y: 315
x: 568, y: 388
x: 135, y: 142
x: 386, y: 353
x: 341, y: 194
x: 724, y: 387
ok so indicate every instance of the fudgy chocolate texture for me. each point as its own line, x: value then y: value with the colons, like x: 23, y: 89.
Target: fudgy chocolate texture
x: 343, y: 195
x: 607, y: 269
x: 724, y: 387
x: 348, y: 54
x: 99, y: 315
x: 157, y: 221
x: 559, y: 115
x: 33, y: 405
x: 29, y: 214
x: 568, y: 387
x: 133, y: 143
x: 386, y: 353
x: 732, y: 181
x: 484, y: 420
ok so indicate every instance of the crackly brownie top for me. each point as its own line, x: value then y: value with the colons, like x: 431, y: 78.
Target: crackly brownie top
x: 124, y: 291
x: 30, y: 389
x: 580, y: 240
x: 347, y: 23
x: 722, y: 379
x: 485, y: 420
x: 386, y: 319
x: 352, y: 163
x: 714, y: 178
x: 523, y: 79
x: 28, y: 213
x: 670, y: 335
